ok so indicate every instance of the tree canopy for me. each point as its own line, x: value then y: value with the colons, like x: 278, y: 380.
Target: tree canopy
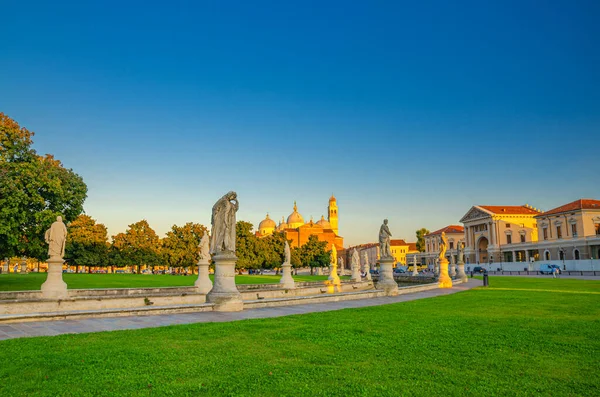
x: 87, y: 242
x: 34, y: 190
x: 180, y: 246
x: 139, y: 245
x: 313, y: 253
x: 421, y: 239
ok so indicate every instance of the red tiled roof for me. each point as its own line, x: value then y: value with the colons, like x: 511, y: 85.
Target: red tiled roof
x: 581, y: 204
x: 398, y: 242
x: 412, y: 246
x: 510, y: 209
x: 448, y: 229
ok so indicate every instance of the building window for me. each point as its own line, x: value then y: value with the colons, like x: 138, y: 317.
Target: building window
x: 545, y: 230
x: 522, y: 238
x: 508, y: 225
x: 597, y: 225
x: 451, y: 245
x: 508, y: 239
x: 576, y: 254
x: 558, y: 231
x: 561, y: 255
x: 574, y: 229
x: 547, y: 255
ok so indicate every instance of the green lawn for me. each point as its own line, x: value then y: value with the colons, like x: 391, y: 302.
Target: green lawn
x: 532, y: 340
x: 33, y: 281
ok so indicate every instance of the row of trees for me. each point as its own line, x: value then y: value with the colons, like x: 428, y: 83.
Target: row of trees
x: 87, y: 245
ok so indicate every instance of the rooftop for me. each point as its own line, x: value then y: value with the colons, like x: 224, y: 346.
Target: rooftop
x: 577, y: 205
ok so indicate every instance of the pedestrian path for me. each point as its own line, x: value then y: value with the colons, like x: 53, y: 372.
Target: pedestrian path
x: 59, y: 327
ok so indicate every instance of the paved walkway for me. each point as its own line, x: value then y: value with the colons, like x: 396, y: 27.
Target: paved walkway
x: 59, y: 327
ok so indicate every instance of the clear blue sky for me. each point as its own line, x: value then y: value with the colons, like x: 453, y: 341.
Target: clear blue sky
x: 413, y: 111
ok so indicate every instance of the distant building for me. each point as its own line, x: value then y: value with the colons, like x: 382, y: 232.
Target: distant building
x: 298, y: 231
x: 455, y: 235
x: 570, y: 232
x: 492, y: 230
x: 400, y: 249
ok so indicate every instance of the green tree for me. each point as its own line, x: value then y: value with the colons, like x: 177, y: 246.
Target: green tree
x: 139, y: 245
x: 247, y: 246
x: 421, y: 239
x: 313, y: 253
x: 273, y: 252
x: 180, y: 246
x: 87, y: 242
x: 34, y: 190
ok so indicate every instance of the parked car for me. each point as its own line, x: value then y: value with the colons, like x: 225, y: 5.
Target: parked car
x: 548, y: 269
x: 399, y: 270
x: 479, y: 269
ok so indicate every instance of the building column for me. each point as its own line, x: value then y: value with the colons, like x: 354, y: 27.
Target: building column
x: 527, y: 256
x: 492, y: 226
x: 514, y: 256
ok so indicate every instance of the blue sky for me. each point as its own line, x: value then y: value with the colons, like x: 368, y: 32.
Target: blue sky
x: 413, y: 112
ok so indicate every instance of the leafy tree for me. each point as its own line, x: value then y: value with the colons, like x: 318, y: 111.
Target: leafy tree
x: 139, y: 245
x: 180, y: 246
x: 87, y: 242
x: 421, y: 239
x: 313, y: 253
x: 247, y: 246
x: 33, y: 191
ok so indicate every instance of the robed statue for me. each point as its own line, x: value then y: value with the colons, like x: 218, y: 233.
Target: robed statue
x: 56, y: 238
x: 461, y: 253
x: 384, y: 240
x: 204, y: 248
x: 223, y: 224
x: 287, y: 253
x: 443, y: 246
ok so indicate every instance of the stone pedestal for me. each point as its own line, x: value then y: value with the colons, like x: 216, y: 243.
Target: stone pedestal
x: 5, y: 268
x: 54, y: 287
x: 224, y: 293
x: 386, y: 277
x: 445, y: 280
x: 356, y: 274
x: 286, y: 277
x: 23, y: 268
x: 333, y: 275
x: 203, y: 283
x: 461, y: 272
x: 319, y: 271
x: 452, y: 271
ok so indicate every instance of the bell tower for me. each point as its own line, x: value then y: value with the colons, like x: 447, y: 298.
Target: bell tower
x: 332, y: 217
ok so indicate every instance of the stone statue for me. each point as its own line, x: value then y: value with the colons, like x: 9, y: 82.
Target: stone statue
x: 333, y: 258
x: 384, y: 240
x: 460, y: 257
x: 443, y: 246
x: 223, y: 224
x: 341, y: 263
x: 204, y: 248
x: 56, y: 237
x: 287, y: 254
x: 367, y: 267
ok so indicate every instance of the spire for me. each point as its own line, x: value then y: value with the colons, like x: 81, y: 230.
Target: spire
x: 295, y: 206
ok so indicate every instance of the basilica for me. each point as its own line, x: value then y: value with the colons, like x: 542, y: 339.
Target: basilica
x: 298, y: 231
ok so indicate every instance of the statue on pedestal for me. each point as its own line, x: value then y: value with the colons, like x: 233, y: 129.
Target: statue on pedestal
x: 384, y: 240
x: 56, y: 238
x: 445, y: 280
x: 223, y: 224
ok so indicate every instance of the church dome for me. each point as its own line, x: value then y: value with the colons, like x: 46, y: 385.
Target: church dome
x: 267, y: 226
x: 323, y: 223
x: 332, y: 198
x: 282, y: 225
x: 295, y: 219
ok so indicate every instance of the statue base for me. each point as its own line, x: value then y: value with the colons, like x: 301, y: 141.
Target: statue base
x: 224, y: 293
x: 461, y: 272
x: 287, y: 281
x: 23, y: 269
x: 5, y: 269
x: 356, y: 274
x: 386, y: 277
x: 203, y: 283
x: 54, y: 287
x: 445, y: 280
x: 452, y: 270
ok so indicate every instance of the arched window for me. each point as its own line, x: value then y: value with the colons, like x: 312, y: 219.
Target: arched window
x: 561, y: 255
x: 547, y: 255
x: 576, y: 254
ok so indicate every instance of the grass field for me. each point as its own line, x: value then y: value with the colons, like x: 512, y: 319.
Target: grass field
x: 33, y: 281
x: 521, y: 336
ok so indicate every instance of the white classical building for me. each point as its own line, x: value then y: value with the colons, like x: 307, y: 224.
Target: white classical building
x: 455, y: 235
x: 522, y: 237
